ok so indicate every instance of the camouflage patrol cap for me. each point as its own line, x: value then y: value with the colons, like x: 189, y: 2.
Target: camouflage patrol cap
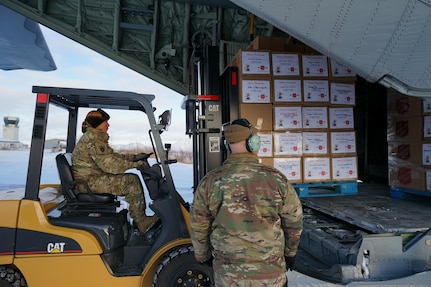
x: 96, y: 117
x: 237, y: 131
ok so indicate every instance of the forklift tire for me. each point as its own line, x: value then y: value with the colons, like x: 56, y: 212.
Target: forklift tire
x: 9, y: 277
x: 180, y: 268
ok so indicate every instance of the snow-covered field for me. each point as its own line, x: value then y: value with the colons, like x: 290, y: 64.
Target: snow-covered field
x: 13, y: 172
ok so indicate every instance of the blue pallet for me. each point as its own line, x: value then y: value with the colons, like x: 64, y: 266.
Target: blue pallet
x: 405, y: 193
x: 333, y: 188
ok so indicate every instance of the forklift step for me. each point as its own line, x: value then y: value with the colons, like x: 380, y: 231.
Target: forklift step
x: 405, y: 193
x: 333, y: 188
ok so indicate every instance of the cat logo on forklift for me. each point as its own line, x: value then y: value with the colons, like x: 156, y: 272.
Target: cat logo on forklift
x: 57, y: 247
x: 213, y: 108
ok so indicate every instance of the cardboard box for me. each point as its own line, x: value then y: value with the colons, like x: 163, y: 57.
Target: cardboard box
x: 314, y: 117
x: 341, y: 118
x: 405, y: 152
x: 314, y: 143
x: 260, y: 116
x: 342, y: 94
x: 310, y: 51
x: 294, y: 48
x: 428, y: 180
x: 426, y: 153
x: 316, y: 91
x: 427, y: 127
x: 287, y: 144
x: 252, y: 62
x: 339, y: 71
x: 266, y: 160
x: 286, y: 64
x: 426, y: 106
x: 316, y: 169
x: 409, y: 176
x: 314, y: 66
x: 344, y: 168
x: 405, y: 128
x: 255, y: 89
x: 401, y: 105
x: 287, y: 91
x: 409, y: 152
x: 267, y: 43
x: 266, y: 145
x: 343, y: 143
x: 287, y: 118
x: 290, y: 167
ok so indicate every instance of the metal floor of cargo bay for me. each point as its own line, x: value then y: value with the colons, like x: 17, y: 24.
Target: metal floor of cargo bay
x: 373, y: 209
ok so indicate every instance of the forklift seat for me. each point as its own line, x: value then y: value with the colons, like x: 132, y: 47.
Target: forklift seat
x: 69, y: 184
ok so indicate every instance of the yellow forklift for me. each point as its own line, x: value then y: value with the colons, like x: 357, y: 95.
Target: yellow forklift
x: 86, y: 239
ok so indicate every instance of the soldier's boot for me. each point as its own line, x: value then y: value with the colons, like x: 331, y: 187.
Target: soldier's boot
x: 146, y: 223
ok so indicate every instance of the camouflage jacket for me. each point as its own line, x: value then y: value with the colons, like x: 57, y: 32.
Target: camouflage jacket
x: 248, y: 217
x: 92, y: 156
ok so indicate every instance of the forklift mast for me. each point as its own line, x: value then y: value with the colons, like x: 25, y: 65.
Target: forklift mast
x: 214, y: 101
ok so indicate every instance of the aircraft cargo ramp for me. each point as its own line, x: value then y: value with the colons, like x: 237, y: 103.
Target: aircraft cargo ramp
x: 375, y: 211
x: 365, y: 237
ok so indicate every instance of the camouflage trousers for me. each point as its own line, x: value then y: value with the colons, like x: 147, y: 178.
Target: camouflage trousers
x: 127, y: 185
x: 223, y: 281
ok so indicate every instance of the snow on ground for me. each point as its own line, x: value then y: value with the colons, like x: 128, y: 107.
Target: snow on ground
x: 13, y: 172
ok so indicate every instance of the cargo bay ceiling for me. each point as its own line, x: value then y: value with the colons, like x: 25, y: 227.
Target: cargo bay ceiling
x: 382, y: 41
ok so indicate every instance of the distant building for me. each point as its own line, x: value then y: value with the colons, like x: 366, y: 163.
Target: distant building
x: 55, y: 145
x: 6, y: 144
x: 11, y: 128
x: 10, y: 139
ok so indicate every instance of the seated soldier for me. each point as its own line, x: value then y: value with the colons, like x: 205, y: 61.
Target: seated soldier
x: 94, y: 161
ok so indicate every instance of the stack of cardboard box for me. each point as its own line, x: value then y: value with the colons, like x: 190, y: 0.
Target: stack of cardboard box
x: 409, y: 142
x: 302, y: 106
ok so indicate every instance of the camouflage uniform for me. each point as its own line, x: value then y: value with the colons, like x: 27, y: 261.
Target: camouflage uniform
x: 94, y: 161
x: 248, y: 217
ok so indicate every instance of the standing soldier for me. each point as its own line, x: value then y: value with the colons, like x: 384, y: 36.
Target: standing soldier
x: 246, y: 219
x: 94, y: 161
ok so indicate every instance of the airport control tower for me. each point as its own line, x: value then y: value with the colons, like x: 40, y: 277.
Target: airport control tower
x: 11, y: 128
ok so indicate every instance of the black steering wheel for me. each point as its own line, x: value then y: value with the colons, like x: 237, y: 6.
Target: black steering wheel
x: 143, y: 157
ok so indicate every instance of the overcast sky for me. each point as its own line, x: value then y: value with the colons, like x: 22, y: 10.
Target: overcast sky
x: 80, y: 67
